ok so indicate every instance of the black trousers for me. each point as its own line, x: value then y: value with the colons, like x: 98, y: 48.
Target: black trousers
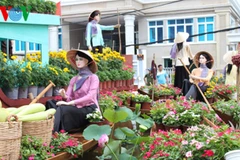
x: 99, y: 48
x: 69, y: 118
x: 190, y: 90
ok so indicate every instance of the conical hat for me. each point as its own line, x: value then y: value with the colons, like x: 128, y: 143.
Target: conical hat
x: 196, y: 58
x: 71, y: 55
x: 227, y: 57
x: 181, y: 37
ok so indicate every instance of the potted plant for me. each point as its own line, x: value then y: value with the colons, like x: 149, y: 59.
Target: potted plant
x: 96, y: 118
x: 139, y: 98
x: 157, y: 112
x: 189, y: 118
x: 9, y: 79
x: 227, y: 111
x: 24, y: 80
x: 171, y: 121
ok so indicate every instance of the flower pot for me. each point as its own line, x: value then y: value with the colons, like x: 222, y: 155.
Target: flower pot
x: 33, y: 90
x: 40, y: 89
x: 100, y: 86
x: 160, y: 127
x: 127, y: 102
x: 133, y: 103
x: 11, y: 93
x: 168, y: 128
x: 22, y: 93
x: 116, y: 83
x: 184, y: 128
x: 109, y: 84
x: 49, y: 93
x: 232, y: 155
x: 211, y: 100
x: 103, y: 122
x: 146, y: 105
x: 128, y: 83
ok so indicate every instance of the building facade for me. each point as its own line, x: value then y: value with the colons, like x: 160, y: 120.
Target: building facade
x: 148, y: 21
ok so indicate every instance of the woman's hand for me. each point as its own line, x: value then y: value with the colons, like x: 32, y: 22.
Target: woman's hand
x: 59, y: 103
x: 117, y: 26
x: 62, y: 93
x: 90, y: 48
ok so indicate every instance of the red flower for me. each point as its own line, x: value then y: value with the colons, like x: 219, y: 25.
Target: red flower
x: 208, y: 153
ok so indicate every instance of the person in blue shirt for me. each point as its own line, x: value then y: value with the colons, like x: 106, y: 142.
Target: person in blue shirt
x: 162, y: 77
x: 94, y: 37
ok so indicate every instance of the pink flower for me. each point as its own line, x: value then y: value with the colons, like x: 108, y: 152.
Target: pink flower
x: 103, y: 140
x: 184, y: 142
x: 189, y: 154
x: 62, y: 131
x: 199, y: 145
x: 31, y: 158
x: 44, y: 144
x: 232, y: 107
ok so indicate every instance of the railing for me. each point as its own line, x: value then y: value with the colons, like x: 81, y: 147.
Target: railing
x: 170, y: 73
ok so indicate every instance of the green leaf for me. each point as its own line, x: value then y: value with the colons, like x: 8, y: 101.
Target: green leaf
x: 146, y: 122
x: 118, y: 133
x: 128, y: 111
x: 125, y: 156
x: 115, y: 147
x: 139, y: 140
x: 128, y: 132
x: 115, y: 116
x: 95, y: 132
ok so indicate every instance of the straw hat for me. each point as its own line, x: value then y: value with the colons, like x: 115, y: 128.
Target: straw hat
x: 71, y: 55
x: 196, y: 58
x: 227, y: 57
x: 181, y: 37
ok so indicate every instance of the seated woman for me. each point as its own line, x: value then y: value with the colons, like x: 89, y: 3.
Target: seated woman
x: 200, y: 76
x: 81, y: 97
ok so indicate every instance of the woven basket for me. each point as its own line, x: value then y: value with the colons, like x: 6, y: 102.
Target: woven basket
x: 10, y: 139
x: 40, y: 129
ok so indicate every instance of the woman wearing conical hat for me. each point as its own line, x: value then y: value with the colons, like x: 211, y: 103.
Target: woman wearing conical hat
x: 201, y: 75
x: 181, y: 49
x: 81, y: 97
x: 230, y: 70
x: 94, y: 37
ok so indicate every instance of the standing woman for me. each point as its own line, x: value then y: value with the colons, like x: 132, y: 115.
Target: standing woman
x: 230, y: 70
x: 181, y: 49
x: 81, y: 97
x: 200, y: 76
x: 94, y: 30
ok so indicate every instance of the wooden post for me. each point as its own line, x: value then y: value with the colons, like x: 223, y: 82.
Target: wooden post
x: 119, y: 34
x: 43, y: 92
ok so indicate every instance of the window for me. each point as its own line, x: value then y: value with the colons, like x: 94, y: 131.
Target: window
x: 205, y: 24
x: 155, y: 31
x: 20, y: 46
x: 179, y: 25
x: 59, y: 37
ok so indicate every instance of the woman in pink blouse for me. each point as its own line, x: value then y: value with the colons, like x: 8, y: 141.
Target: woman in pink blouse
x: 81, y: 97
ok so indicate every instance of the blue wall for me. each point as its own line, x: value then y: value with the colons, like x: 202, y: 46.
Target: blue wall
x: 35, y: 30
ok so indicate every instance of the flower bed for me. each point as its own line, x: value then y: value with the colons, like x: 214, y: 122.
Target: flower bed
x: 198, y: 142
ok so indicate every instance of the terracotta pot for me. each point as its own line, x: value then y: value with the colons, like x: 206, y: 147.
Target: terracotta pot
x: 160, y: 127
x: 103, y: 122
x: 127, y: 102
x: 104, y: 85
x: 128, y: 82
x: 124, y: 83
x: 100, y: 85
x: 116, y: 83
x: 113, y: 84
x: 146, y: 105
x: 168, y: 128
x: 109, y: 84
x: 120, y: 83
